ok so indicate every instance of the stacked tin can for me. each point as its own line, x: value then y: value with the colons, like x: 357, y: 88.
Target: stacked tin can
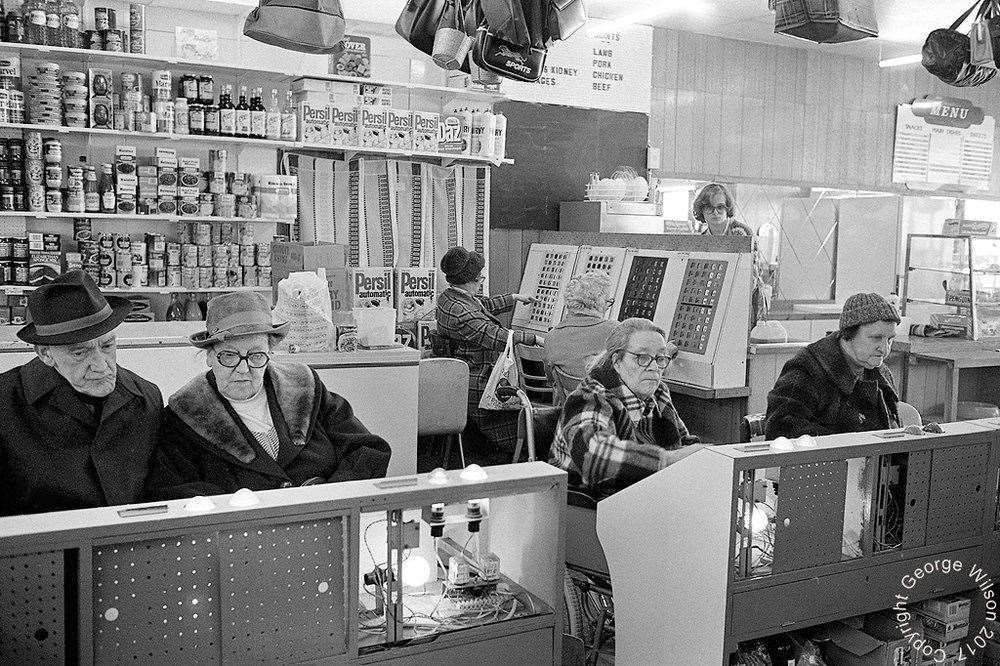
x: 34, y: 171
x: 74, y: 99
x: 217, y: 256
x: 14, y: 260
x: 12, y: 174
x: 45, y: 94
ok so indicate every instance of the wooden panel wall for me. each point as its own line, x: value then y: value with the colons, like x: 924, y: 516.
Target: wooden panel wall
x: 726, y: 109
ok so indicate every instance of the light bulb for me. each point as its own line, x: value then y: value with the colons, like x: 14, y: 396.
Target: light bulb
x: 416, y: 571
x: 759, y: 521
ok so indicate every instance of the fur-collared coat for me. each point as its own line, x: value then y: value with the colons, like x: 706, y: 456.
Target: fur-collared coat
x: 206, y: 450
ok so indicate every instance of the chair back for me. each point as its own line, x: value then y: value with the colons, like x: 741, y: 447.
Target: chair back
x: 752, y: 426
x: 583, y: 547
x: 908, y: 414
x: 531, y: 371
x: 544, y: 423
x: 442, y: 396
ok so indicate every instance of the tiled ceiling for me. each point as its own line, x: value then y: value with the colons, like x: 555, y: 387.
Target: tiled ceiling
x: 903, y: 24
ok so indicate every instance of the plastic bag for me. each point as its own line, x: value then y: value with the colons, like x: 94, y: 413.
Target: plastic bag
x: 304, y: 302
x: 504, y: 368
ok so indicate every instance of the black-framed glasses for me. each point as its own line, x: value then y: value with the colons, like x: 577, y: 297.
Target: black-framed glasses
x: 646, y: 360
x: 231, y: 359
x: 721, y: 209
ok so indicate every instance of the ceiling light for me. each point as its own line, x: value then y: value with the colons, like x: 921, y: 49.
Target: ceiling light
x: 647, y: 14
x: 903, y: 60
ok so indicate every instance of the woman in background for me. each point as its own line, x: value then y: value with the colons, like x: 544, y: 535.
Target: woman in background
x: 468, y: 329
x: 714, y: 208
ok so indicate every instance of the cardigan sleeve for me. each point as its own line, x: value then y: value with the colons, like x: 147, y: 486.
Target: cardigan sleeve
x: 362, y: 454
x: 476, y: 328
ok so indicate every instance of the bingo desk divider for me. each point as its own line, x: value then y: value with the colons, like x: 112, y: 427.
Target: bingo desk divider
x: 280, y: 576
x: 854, y: 515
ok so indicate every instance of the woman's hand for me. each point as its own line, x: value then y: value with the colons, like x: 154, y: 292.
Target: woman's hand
x: 521, y: 298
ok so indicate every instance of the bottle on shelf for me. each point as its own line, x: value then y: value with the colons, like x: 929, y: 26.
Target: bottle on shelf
x: 227, y: 112
x: 206, y: 89
x: 258, y: 115
x: 289, y: 123
x: 211, y: 113
x: 175, y: 311
x: 91, y: 190
x: 14, y: 26
x: 192, y: 312
x: 33, y: 13
x: 107, y: 189
x: 243, y: 114
x: 69, y: 25
x: 273, y: 123
x: 53, y: 26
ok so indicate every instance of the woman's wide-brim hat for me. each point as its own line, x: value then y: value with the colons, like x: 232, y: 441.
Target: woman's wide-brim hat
x: 70, y: 310
x: 237, y: 315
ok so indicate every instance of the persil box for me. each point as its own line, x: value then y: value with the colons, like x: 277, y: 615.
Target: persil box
x: 316, y: 127
x: 400, y: 129
x: 343, y: 125
x: 373, y: 126
x: 371, y: 287
x: 415, y: 294
x: 425, y: 130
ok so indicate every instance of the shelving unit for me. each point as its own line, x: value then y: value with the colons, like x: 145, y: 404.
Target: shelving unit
x: 15, y: 290
x: 37, y: 215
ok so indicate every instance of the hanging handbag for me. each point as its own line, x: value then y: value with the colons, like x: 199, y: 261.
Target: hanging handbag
x: 505, y: 369
x: 984, y: 37
x: 565, y: 18
x: 826, y: 21
x: 451, y: 44
x: 509, y: 61
x: 947, y: 55
x: 418, y: 24
x: 307, y: 26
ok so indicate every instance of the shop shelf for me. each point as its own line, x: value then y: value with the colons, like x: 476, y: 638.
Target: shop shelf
x: 114, y: 134
x: 21, y: 289
x: 83, y: 57
x: 152, y: 218
x: 357, y: 150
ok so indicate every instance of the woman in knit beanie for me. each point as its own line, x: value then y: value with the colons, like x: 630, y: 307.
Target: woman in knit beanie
x: 468, y: 329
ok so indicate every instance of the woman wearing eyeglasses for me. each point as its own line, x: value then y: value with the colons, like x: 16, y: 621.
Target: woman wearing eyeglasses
x: 250, y: 422
x: 619, y: 425
x: 713, y: 207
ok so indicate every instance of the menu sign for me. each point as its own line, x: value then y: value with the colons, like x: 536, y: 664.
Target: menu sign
x: 943, y: 141
x: 602, y: 66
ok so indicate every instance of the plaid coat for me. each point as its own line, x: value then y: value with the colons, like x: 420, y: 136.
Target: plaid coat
x: 468, y: 330
x: 607, y: 439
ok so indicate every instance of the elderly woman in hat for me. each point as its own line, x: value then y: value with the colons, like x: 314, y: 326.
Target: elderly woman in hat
x: 468, y: 329
x: 78, y: 431
x: 251, y: 422
x: 840, y: 383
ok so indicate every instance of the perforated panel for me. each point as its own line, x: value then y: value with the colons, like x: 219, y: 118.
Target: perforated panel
x: 546, y: 273
x: 958, y: 486
x: 699, y: 298
x: 811, y: 500
x: 550, y: 277
x: 283, y: 589
x: 157, y: 601
x: 918, y: 483
x: 642, y: 287
x: 32, y: 603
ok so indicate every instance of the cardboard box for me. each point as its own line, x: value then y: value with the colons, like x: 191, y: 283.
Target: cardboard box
x: 371, y: 288
x: 954, y: 608
x: 400, y: 129
x: 316, y: 128
x: 415, y: 294
x: 292, y: 257
x: 425, y: 130
x: 343, y: 125
x: 373, y: 126
x: 347, y: 338
x: 425, y: 329
x: 876, y: 646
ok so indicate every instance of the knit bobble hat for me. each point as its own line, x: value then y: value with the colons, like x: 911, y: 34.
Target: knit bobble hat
x: 867, y: 309
x: 461, y: 266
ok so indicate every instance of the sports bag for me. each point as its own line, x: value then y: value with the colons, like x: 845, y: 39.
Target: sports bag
x: 826, y: 21
x: 947, y: 55
x: 307, y: 26
x: 509, y: 61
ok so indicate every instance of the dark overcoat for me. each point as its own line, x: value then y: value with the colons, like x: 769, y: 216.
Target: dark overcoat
x: 206, y: 450
x: 54, y: 454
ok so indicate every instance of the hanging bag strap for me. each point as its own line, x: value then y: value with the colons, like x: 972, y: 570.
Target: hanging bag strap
x: 961, y: 19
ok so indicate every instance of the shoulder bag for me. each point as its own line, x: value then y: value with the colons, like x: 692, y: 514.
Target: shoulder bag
x: 947, y: 55
x: 509, y: 61
x: 307, y: 26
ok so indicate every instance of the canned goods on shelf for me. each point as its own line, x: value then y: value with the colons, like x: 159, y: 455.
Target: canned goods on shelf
x: 19, y: 248
x: 247, y: 255
x: 204, y: 256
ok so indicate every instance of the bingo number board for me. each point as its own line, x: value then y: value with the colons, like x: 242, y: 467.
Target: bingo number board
x: 545, y: 276
x: 642, y: 288
x: 550, y: 277
x: 697, y: 304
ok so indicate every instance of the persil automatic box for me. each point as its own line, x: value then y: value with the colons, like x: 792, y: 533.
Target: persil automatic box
x: 316, y: 124
x: 373, y: 126
x: 425, y: 130
x: 372, y: 287
x: 343, y: 125
x: 400, y: 129
x: 415, y: 294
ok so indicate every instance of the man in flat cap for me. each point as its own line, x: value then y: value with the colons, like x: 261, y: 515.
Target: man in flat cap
x: 78, y: 431
x: 840, y: 384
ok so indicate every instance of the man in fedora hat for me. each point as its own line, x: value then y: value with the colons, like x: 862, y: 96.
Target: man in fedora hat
x: 254, y: 422
x: 78, y: 430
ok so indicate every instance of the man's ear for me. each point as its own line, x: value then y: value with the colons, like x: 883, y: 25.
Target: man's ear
x: 45, y: 353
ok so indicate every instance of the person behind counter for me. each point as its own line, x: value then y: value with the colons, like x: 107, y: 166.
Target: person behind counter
x: 619, y: 425
x: 714, y: 208
x: 79, y: 431
x: 840, y: 383
x: 250, y: 422
x: 573, y: 344
x: 467, y: 329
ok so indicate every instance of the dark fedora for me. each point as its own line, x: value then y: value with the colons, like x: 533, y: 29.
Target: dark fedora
x: 71, y: 309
